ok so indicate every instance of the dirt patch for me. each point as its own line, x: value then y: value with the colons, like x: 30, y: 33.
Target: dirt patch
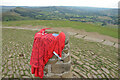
x: 80, y: 32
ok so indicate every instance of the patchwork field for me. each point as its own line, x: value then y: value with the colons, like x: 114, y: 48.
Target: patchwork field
x: 89, y: 59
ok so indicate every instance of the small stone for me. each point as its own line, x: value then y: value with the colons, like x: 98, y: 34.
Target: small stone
x: 32, y: 76
x: 79, y: 62
x: 27, y: 67
x: 77, y: 75
x: 9, y: 62
x: 83, y: 75
x: 9, y: 67
x: 92, y: 53
x: 10, y: 72
x: 87, y: 64
x: 103, y: 76
x: 94, y: 76
x: 26, y: 73
x: 17, y: 71
x: 79, y: 36
x: 16, y: 67
x: 89, y: 75
x: 75, y: 57
x: 107, y: 76
x: 94, y: 72
x: 24, y: 68
x: 113, y: 74
x: 99, y: 76
x: 99, y: 71
x: 3, y: 76
x: 94, y: 56
x: 78, y: 71
x: 93, y: 66
x: 21, y: 72
x: 20, y: 68
x: 5, y: 71
x: 3, y: 63
x: 10, y: 56
x: 106, y: 70
x: 15, y: 76
x: 25, y: 77
x: 87, y: 67
x: 22, y: 64
x: 6, y: 76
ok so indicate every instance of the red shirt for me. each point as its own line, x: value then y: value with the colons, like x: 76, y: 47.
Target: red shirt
x: 43, y: 47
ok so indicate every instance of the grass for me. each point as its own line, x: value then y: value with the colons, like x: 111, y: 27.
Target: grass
x: 76, y: 25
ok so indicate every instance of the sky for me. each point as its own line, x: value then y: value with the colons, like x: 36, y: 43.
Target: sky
x: 86, y: 3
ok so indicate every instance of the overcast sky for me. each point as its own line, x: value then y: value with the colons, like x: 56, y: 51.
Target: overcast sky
x: 87, y: 3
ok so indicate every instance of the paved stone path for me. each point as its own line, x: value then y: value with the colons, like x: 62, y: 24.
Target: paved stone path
x: 90, y: 65
x: 105, y: 42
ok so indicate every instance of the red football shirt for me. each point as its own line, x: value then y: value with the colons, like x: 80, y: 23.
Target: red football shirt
x: 43, y: 46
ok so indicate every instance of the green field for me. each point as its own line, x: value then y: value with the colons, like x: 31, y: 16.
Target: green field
x: 18, y: 42
x: 76, y: 25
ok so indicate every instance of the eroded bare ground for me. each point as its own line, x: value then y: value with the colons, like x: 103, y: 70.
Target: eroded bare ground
x: 90, y: 36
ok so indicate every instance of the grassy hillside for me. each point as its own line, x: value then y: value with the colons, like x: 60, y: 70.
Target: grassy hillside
x: 113, y: 32
x: 100, y: 16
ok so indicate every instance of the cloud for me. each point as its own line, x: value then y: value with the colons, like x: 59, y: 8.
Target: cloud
x: 89, y: 3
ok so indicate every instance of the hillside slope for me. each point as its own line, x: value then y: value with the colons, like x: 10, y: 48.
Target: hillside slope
x: 100, y: 16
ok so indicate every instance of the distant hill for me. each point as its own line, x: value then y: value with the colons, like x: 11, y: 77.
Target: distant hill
x: 100, y: 16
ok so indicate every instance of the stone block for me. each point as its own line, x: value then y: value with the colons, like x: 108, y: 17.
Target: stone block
x: 80, y: 36
x: 60, y: 68
x: 66, y: 41
x: 52, y: 61
x: 67, y: 75
x: 65, y: 51
x: 108, y: 43
x: 54, y: 76
x: 67, y: 59
x: 93, y: 39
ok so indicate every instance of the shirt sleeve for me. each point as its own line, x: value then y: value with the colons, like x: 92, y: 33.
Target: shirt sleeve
x: 35, y: 53
x: 60, y: 43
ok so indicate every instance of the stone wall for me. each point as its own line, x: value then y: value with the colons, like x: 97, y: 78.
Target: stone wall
x: 56, y: 68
